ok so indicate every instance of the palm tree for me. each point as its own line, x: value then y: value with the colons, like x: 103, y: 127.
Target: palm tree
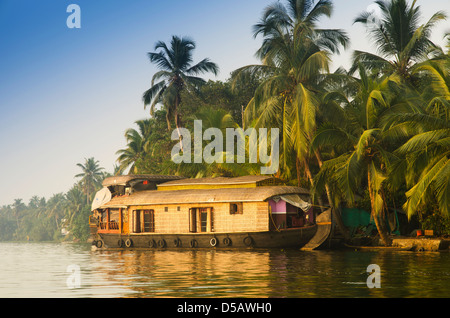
x: 424, y: 130
x: 117, y: 170
x: 427, y: 163
x: 56, y: 207
x: 75, y: 202
x: 363, y: 152
x: 176, y: 74
x: 137, y: 148
x: 18, y: 207
x: 220, y: 119
x: 91, y: 176
x: 400, y: 40
x: 295, y: 55
x: 297, y: 20
x: 447, y: 36
x: 35, y: 202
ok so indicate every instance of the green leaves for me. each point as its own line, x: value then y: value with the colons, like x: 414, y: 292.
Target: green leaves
x: 363, y: 147
x: 435, y: 178
x: 91, y: 176
x: 399, y: 38
x: 176, y: 74
x: 382, y: 127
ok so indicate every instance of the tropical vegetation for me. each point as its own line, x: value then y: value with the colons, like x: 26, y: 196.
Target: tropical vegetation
x: 63, y: 217
x: 375, y: 136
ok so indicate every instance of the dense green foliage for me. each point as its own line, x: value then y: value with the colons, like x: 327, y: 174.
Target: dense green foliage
x: 64, y: 216
x: 378, y: 131
x: 375, y: 136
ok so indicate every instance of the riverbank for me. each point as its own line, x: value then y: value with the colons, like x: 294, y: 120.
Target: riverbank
x: 419, y: 244
x: 423, y: 244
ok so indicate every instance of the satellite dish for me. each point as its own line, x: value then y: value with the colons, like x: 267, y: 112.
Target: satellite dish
x: 102, y: 197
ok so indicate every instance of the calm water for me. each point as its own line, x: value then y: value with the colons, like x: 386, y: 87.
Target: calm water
x: 41, y: 270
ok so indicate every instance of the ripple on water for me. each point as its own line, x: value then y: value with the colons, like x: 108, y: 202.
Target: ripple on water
x: 40, y: 270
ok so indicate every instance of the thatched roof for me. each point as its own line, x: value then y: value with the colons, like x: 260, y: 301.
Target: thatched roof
x: 125, y: 180
x: 258, y: 194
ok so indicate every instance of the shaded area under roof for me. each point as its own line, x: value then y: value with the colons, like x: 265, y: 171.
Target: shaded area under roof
x: 124, y: 180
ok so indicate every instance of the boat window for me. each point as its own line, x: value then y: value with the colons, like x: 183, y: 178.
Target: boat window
x: 193, y: 220
x: 203, y: 220
x: 178, y: 208
x: 137, y: 221
x: 114, y: 215
x: 236, y: 208
x: 149, y: 221
x: 166, y: 209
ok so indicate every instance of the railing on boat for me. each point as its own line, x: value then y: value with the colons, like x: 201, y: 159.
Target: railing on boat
x: 109, y: 226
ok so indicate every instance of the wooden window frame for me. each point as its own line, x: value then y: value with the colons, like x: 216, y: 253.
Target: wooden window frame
x: 110, y: 226
x: 236, y: 208
x: 151, y: 225
x: 139, y: 223
x: 195, y: 220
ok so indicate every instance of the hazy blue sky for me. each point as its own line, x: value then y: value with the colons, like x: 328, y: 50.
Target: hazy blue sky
x: 69, y: 94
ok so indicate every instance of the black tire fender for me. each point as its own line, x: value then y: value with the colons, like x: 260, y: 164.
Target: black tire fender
x: 161, y: 243
x: 193, y: 243
x: 227, y: 241
x: 248, y: 241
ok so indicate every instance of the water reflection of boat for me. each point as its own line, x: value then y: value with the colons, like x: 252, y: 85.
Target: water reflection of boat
x: 171, y: 212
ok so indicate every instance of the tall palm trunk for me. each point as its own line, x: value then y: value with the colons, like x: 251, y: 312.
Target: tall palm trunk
x: 178, y: 118
x: 169, y: 125
x: 311, y: 181
x: 310, y: 178
x: 379, y: 219
x: 17, y: 220
x: 87, y: 192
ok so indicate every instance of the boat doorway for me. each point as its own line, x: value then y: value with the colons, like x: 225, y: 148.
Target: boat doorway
x: 201, y: 220
x: 125, y: 223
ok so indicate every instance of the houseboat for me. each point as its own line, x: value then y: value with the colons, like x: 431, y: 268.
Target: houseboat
x: 144, y: 211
